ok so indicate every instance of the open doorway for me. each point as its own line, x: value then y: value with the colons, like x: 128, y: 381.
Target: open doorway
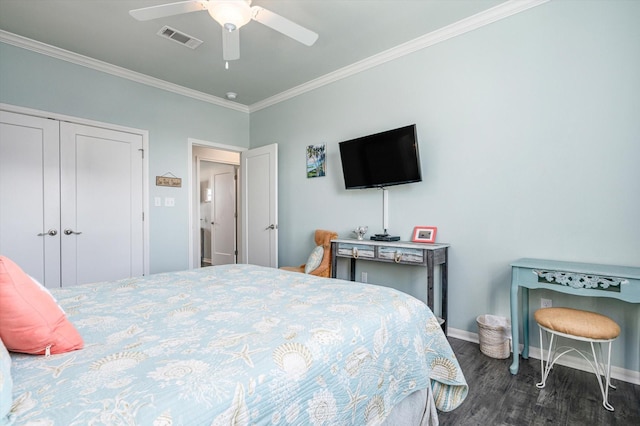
x: 257, y: 199
x: 214, y: 206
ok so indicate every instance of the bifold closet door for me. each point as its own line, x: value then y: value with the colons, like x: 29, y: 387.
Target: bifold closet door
x: 30, y: 195
x: 101, y: 204
x: 70, y: 200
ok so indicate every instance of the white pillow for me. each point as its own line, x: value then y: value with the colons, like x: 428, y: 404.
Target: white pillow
x: 6, y: 385
x: 46, y: 290
x: 315, y: 258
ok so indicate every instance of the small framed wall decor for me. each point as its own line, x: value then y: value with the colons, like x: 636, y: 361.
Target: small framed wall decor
x: 316, y: 161
x: 424, y: 234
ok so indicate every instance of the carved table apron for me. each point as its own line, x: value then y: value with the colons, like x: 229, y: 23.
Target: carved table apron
x: 580, y: 279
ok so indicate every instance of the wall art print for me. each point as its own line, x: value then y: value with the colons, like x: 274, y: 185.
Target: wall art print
x: 316, y: 161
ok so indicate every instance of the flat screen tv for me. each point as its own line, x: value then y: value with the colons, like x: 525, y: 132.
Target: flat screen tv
x: 381, y: 160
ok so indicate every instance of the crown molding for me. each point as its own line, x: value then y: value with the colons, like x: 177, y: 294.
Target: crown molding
x: 489, y: 16
x: 85, y: 61
x: 496, y: 13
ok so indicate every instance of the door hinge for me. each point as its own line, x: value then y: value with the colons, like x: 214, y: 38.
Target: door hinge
x: 235, y: 252
x: 142, y: 151
x: 143, y: 216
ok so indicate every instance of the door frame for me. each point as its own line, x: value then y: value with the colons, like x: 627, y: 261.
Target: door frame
x: 110, y: 126
x: 194, y: 231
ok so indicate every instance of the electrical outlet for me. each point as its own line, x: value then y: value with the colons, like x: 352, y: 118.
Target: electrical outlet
x: 545, y: 303
x: 363, y: 277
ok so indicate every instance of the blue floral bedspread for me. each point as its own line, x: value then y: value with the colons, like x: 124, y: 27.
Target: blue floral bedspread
x: 237, y: 344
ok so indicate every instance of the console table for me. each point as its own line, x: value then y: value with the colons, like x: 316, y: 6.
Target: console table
x: 580, y: 279
x: 402, y: 253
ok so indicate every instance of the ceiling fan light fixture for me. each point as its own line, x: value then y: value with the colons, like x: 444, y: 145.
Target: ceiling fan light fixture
x: 230, y: 13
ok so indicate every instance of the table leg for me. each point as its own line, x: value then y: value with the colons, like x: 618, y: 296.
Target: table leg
x: 515, y: 342
x: 352, y: 273
x: 525, y: 323
x: 444, y: 290
x: 334, y: 260
x: 430, y: 280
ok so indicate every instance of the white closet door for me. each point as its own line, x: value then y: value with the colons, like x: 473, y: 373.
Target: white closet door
x: 101, y: 204
x: 30, y: 195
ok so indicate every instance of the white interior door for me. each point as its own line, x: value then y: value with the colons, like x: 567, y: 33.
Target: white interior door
x: 101, y: 204
x: 223, y: 223
x: 30, y: 195
x: 259, y: 189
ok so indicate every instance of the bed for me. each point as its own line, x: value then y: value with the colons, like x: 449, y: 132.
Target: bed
x: 241, y: 344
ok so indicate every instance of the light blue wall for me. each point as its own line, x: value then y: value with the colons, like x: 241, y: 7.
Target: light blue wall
x: 529, y: 136
x: 530, y: 140
x: 40, y: 82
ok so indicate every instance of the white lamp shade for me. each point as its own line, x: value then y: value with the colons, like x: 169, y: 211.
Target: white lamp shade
x: 235, y: 12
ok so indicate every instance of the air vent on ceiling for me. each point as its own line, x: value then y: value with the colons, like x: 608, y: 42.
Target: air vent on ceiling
x: 178, y: 37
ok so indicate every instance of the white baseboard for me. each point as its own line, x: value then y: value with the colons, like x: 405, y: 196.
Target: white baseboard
x: 463, y: 335
x: 578, y: 363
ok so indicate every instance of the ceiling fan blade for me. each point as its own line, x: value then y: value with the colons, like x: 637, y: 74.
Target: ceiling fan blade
x: 230, y: 45
x: 283, y: 25
x: 154, y: 12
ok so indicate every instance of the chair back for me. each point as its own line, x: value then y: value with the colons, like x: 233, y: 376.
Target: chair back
x: 323, y: 238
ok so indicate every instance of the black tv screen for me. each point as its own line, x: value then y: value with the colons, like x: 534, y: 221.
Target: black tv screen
x: 381, y: 160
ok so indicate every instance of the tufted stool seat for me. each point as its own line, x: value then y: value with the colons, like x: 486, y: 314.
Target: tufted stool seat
x: 578, y: 325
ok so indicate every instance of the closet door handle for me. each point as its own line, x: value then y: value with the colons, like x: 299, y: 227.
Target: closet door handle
x: 52, y: 232
x: 71, y: 231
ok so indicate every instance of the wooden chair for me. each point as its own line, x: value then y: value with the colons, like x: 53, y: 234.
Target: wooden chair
x: 583, y: 326
x: 323, y: 238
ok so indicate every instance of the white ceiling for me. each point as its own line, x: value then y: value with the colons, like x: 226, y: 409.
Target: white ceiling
x: 270, y: 63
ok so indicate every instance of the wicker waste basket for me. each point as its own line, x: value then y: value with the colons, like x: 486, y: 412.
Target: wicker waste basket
x: 494, y: 333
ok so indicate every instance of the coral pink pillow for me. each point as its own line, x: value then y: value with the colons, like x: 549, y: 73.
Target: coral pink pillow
x: 30, y: 319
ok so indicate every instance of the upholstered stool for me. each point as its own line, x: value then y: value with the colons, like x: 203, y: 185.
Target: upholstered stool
x: 578, y: 325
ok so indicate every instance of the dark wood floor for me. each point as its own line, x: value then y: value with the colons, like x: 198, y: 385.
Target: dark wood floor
x: 571, y: 397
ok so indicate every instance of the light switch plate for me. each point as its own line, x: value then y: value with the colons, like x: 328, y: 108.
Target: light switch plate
x: 169, y: 202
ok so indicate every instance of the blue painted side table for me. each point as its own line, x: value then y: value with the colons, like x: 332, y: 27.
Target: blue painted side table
x: 579, y: 279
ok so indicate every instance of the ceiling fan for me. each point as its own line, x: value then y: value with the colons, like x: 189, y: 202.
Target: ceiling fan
x: 231, y: 15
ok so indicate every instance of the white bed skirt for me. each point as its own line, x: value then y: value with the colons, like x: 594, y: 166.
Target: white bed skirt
x: 418, y: 409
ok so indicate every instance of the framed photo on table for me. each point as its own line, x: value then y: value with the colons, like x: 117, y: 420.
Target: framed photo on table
x: 424, y: 234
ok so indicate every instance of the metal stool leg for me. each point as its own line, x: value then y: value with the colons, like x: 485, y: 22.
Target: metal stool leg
x: 599, y: 370
x: 599, y: 367
x: 544, y: 370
